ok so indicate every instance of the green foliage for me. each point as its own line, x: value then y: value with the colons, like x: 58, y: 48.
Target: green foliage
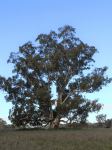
x: 61, y: 59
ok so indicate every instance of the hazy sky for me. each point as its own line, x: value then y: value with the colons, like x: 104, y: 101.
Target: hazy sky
x: 23, y: 20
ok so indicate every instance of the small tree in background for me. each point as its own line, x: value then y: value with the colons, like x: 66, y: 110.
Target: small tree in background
x: 58, y: 59
x: 3, y: 123
x: 101, y: 119
x: 108, y: 123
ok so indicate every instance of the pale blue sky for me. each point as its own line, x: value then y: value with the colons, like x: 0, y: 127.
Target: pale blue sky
x: 23, y: 20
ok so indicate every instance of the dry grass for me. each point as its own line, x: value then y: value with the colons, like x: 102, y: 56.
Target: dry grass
x: 86, y: 139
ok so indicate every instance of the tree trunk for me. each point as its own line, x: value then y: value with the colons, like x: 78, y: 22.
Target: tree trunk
x: 55, y: 123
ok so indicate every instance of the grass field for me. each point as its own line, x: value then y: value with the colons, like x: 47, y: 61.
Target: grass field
x: 85, y: 139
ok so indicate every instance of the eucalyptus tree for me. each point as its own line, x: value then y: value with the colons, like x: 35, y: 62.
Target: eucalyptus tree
x: 61, y: 60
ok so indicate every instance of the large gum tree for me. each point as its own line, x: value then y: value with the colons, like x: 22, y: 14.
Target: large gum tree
x: 59, y: 60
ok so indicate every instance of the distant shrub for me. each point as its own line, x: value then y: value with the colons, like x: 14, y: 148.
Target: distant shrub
x: 2, y: 123
x: 108, y: 123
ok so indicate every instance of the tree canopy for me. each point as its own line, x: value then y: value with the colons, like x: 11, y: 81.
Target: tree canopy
x: 60, y: 59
